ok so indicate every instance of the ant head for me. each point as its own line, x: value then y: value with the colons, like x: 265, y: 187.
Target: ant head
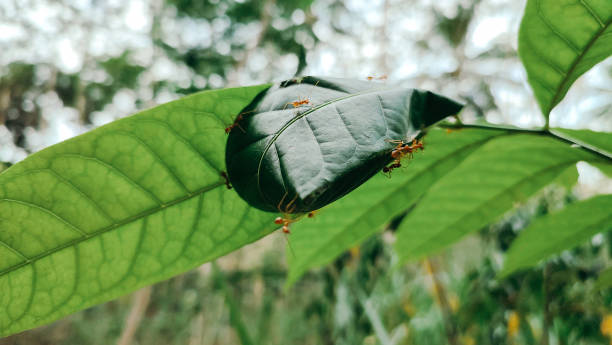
x: 278, y: 221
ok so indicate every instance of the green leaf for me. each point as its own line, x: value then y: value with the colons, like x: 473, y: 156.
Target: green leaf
x: 559, y: 40
x: 126, y: 205
x: 559, y: 231
x: 600, y: 142
x: 568, y: 178
x: 296, y: 160
x: 491, y: 181
x: 605, y: 168
x: 350, y: 220
x: 604, y: 280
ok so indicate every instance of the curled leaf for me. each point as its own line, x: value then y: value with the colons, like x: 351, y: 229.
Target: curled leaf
x: 307, y: 142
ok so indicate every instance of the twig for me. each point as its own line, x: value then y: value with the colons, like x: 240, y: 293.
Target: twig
x: 141, y: 301
x: 372, y: 315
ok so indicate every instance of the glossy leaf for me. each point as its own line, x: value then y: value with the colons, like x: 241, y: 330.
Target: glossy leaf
x: 352, y: 219
x: 559, y: 40
x: 299, y: 159
x: 121, y: 207
x: 559, y: 231
x: 490, y: 182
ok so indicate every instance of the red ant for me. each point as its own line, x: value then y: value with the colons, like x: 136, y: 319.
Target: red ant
x: 382, y: 77
x: 301, y: 101
x: 400, y: 151
x: 227, y: 182
x: 387, y: 170
x: 235, y: 124
x: 286, y: 219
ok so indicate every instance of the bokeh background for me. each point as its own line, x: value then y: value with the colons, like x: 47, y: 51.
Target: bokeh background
x: 67, y: 67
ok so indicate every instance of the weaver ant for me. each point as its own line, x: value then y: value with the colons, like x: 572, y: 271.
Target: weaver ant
x: 400, y: 151
x: 227, y: 181
x: 387, y: 170
x: 286, y: 219
x: 301, y: 101
x: 236, y: 123
x: 382, y: 77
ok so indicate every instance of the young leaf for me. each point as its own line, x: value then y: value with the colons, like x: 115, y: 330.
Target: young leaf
x: 299, y: 159
x: 501, y: 173
x: 350, y: 220
x: 559, y: 231
x: 559, y: 40
x: 121, y: 207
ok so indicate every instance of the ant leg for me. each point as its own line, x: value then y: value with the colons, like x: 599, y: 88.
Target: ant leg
x: 227, y: 181
x: 278, y: 207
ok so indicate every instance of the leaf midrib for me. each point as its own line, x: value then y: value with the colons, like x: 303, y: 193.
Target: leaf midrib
x: 299, y: 116
x: 111, y: 227
x: 575, y: 64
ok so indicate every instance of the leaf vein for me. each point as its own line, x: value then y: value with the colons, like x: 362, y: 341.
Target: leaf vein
x: 156, y: 157
x: 554, y: 29
x: 141, y: 215
x: 113, y: 168
x: 49, y: 212
x: 184, y: 140
x: 593, y: 14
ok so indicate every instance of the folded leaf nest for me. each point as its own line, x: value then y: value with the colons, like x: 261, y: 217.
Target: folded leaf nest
x: 306, y: 142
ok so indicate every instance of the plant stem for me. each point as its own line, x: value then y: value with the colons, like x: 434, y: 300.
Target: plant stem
x: 373, y: 317
x: 547, y: 316
x: 141, y: 301
x: 447, y: 313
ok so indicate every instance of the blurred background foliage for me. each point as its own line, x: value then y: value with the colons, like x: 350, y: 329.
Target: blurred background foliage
x: 69, y: 66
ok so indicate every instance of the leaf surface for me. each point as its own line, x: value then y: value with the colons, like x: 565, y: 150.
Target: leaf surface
x: 350, y: 220
x: 121, y: 207
x: 600, y: 142
x: 559, y: 40
x: 488, y: 183
x: 559, y: 231
x: 299, y: 159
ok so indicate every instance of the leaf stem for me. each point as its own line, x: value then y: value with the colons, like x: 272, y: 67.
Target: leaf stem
x: 542, y: 131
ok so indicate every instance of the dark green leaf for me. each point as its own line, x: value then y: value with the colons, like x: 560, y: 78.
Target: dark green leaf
x: 491, y: 181
x: 559, y: 40
x: 118, y: 208
x: 559, y: 231
x: 350, y: 220
x: 289, y: 159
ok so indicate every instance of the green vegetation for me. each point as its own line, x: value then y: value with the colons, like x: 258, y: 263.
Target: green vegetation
x: 143, y: 199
